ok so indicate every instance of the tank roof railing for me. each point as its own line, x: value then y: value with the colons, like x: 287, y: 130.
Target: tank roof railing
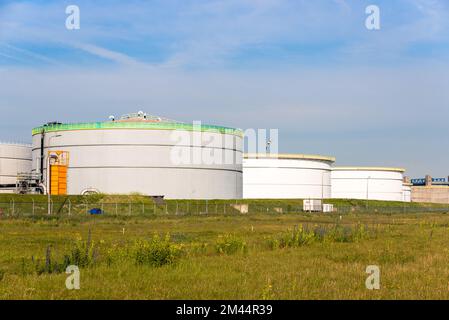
x: 135, y: 125
x: 288, y: 156
x: 146, y: 116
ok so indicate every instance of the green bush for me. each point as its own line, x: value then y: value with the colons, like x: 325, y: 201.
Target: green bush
x: 230, y: 244
x: 297, y: 237
x: 301, y: 236
x: 82, y: 254
x: 156, y: 252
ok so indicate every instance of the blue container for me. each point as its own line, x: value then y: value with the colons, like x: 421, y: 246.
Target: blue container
x: 96, y: 211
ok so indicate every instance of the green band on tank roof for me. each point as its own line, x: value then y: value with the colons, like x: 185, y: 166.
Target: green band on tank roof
x: 135, y: 125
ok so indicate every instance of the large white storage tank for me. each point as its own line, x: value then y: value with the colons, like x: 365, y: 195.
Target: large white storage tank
x: 14, y: 159
x: 144, y: 154
x: 370, y: 183
x: 286, y: 176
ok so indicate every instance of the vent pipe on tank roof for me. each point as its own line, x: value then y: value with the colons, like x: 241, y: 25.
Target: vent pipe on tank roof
x: 41, y: 169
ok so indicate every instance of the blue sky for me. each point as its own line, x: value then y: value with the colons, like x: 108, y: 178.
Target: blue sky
x: 309, y: 68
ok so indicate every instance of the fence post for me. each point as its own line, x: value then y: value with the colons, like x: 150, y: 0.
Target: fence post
x: 143, y: 208
x: 116, y: 208
x: 166, y: 208
x: 70, y: 207
x: 129, y: 208
x: 32, y: 210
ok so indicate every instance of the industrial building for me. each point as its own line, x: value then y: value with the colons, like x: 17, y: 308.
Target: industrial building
x: 287, y: 176
x: 371, y: 183
x: 15, y: 159
x: 139, y: 153
x: 429, y: 189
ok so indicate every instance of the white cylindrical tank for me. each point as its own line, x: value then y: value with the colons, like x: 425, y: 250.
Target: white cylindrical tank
x: 147, y: 155
x: 407, y: 192
x: 371, y: 183
x: 14, y: 159
x: 286, y: 176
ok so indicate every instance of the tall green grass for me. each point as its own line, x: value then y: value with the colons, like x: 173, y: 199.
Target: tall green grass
x: 259, y: 256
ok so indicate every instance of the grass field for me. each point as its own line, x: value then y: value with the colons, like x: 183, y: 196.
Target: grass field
x: 234, y: 256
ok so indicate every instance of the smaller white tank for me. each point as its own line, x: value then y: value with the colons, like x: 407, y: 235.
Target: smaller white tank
x: 369, y: 183
x: 14, y: 159
x: 286, y: 176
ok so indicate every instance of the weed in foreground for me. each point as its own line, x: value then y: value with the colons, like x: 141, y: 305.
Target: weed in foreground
x: 156, y: 252
x: 230, y: 244
x: 301, y: 236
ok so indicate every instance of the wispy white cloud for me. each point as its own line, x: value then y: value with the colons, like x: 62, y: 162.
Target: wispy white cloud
x: 218, y: 32
x: 106, y: 54
x: 12, y: 57
x: 434, y: 21
x: 30, y: 54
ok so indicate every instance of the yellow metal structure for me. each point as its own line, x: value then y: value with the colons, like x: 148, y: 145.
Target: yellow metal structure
x: 58, y: 161
x: 58, y: 180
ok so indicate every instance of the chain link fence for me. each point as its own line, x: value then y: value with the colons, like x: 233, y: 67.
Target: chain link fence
x: 67, y: 207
